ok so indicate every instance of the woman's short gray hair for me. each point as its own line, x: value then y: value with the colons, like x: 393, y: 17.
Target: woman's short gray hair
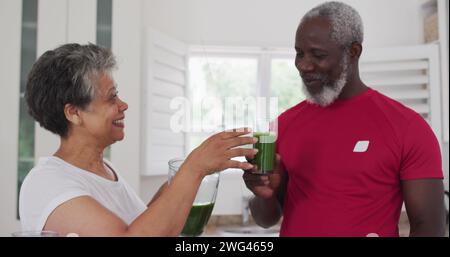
x: 65, y: 75
x: 346, y: 23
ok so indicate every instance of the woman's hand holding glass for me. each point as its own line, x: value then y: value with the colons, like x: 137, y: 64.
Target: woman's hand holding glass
x: 216, y: 153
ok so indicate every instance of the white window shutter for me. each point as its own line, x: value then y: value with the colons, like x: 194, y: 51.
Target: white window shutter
x: 410, y: 75
x: 165, y: 77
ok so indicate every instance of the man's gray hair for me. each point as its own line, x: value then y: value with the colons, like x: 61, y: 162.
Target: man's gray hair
x: 346, y: 23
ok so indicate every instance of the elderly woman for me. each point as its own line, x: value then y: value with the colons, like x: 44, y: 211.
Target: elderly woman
x: 71, y: 92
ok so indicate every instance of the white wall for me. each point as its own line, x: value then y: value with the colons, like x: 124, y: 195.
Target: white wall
x: 10, y: 27
x: 62, y: 21
x: 273, y: 23
x: 126, y: 45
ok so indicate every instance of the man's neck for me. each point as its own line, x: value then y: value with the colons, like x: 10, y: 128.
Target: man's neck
x: 353, y: 88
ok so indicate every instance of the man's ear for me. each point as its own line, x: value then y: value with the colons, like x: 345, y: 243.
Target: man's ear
x: 72, y: 114
x: 355, y: 50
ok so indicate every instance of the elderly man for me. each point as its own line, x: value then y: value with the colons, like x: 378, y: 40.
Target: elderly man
x: 348, y: 156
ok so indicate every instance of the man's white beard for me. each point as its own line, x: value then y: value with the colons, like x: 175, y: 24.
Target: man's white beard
x: 329, y: 94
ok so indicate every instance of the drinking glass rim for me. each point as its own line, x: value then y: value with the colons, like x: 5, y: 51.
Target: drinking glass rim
x: 179, y: 160
x: 34, y: 233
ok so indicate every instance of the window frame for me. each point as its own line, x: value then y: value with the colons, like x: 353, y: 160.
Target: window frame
x: 29, y: 28
x: 263, y: 57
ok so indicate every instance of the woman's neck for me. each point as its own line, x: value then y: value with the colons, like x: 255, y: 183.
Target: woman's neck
x: 82, y: 154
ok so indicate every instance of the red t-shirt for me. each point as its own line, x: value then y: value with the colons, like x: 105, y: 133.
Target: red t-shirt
x: 345, y: 164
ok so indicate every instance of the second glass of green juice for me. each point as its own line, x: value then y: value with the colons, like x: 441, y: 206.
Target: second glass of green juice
x: 203, y: 204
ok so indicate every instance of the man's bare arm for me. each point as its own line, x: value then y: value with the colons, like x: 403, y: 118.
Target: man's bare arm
x: 424, y: 202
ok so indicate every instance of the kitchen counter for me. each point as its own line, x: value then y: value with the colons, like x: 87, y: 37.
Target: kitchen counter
x: 217, y: 224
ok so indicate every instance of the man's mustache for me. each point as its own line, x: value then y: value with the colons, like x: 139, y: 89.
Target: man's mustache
x: 311, y: 77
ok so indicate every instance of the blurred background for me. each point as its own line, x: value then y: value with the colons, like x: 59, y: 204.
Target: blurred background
x: 201, y: 48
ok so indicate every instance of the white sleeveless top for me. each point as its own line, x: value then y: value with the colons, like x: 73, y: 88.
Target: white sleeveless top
x: 53, y: 181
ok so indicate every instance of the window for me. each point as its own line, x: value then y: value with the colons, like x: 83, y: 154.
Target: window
x: 217, y: 78
x: 285, y: 83
x: 26, y: 122
x: 104, y: 18
x: 104, y: 35
x: 231, y: 72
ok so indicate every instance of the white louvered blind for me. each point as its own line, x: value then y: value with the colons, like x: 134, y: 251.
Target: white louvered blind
x: 165, y: 78
x: 410, y: 75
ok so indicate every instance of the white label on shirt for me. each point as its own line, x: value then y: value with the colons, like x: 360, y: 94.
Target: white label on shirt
x: 361, y: 147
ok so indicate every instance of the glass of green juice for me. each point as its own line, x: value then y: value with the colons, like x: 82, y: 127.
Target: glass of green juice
x: 264, y: 160
x: 204, y: 200
x: 266, y: 133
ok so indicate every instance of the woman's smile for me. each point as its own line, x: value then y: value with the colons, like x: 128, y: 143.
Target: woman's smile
x: 119, y: 122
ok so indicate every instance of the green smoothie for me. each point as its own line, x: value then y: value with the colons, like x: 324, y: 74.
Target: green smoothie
x: 265, y: 158
x: 197, y: 219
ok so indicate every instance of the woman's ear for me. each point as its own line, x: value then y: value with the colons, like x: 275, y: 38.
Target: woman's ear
x: 72, y: 114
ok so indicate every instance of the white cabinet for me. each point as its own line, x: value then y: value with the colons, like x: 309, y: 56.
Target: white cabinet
x: 165, y: 77
x: 440, y: 9
x: 444, y: 44
x: 60, y: 22
x: 408, y: 74
x: 435, y: 14
x: 10, y: 28
x: 126, y: 46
